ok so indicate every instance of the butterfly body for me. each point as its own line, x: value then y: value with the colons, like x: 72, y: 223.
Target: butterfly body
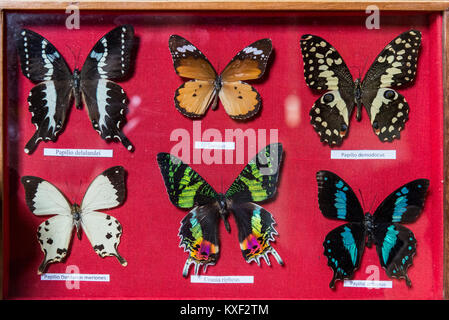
x: 50, y: 100
x: 77, y: 214
x: 199, y: 228
x: 325, y: 69
x: 76, y: 84
x: 240, y: 100
x: 395, y: 244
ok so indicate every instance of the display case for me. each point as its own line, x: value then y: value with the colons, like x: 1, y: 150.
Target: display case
x: 149, y: 241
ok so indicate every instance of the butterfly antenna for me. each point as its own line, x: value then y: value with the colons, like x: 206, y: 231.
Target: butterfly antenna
x: 372, y: 203
x: 71, y: 51
x: 363, y: 200
x: 78, y: 58
x: 78, y: 192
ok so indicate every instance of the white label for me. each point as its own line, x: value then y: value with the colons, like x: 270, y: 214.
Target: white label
x: 363, y: 154
x: 93, y: 153
x: 221, y: 145
x: 75, y: 277
x: 222, y: 279
x: 371, y: 284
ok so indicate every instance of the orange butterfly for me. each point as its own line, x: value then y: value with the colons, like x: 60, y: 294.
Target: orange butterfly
x: 240, y: 100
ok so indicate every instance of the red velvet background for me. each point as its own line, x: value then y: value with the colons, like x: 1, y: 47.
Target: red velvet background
x: 150, y: 222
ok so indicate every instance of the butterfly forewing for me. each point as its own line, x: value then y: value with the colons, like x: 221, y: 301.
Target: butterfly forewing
x: 106, y: 191
x: 396, y: 65
x: 199, y: 236
x: 248, y: 64
x: 43, y: 198
x: 110, y: 57
x: 336, y: 198
x: 185, y: 187
x: 189, y: 62
x: 324, y: 68
x: 258, y: 180
x: 39, y: 59
x: 404, y: 205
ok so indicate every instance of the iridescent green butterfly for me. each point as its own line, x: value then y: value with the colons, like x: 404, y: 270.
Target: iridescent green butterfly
x: 199, y: 228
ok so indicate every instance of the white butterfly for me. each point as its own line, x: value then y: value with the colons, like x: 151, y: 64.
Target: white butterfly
x: 106, y: 191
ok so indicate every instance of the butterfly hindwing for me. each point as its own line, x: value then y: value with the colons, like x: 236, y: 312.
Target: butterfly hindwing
x: 107, y: 105
x: 240, y: 100
x: 258, y: 180
x: 185, y: 187
x: 396, y: 246
x: 336, y: 198
x: 111, y: 56
x: 388, y: 112
x: 103, y: 232
x: 54, y: 237
x: 329, y: 117
x: 404, y: 205
x: 48, y: 102
x: 256, y: 230
x: 193, y: 97
x: 199, y: 236
x: 343, y: 247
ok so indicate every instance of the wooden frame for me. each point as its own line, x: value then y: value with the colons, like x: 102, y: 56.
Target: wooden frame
x: 230, y: 5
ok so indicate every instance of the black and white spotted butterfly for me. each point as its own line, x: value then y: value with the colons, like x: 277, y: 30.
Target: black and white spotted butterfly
x: 395, y: 243
x: 324, y: 69
x: 106, y: 191
x: 50, y: 100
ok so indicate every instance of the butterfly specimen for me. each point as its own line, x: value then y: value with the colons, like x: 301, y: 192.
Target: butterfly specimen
x: 199, y: 228
x: 395, y: 244
x: 240, y: 100
x: 324, y: 69
x: 103, y: 231
x: 50, y: 100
